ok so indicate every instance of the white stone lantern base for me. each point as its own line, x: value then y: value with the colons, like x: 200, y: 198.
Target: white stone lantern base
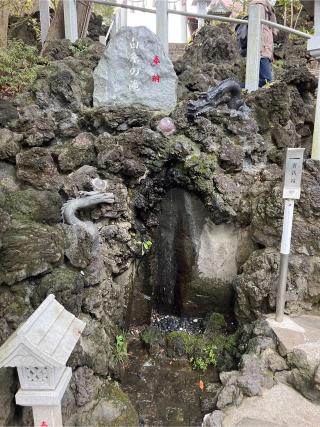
x: 46, y: 404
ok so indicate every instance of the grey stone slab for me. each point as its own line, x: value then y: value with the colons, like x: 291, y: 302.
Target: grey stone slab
x: 279, y: 406
x: 296, y: 332
x: 135, y: 70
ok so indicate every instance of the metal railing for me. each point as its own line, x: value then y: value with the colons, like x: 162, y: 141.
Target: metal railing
x: 286, y: 29
x: 173, y: 12
x: 256, y: 13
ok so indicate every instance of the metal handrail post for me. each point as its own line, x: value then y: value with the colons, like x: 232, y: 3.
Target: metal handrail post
x: 162, y: 23
x: 253, y: 47
x: 284, y: 258
x: 201, y: 9
x: 123, y: 15
x: 70, y: 20
x: 184, y: 24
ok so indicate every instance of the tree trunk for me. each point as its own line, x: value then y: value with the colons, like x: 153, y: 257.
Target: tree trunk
x: 4, y: 20
x: 56, y: 30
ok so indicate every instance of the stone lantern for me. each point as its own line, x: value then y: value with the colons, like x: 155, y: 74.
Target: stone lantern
x: 39, y: 349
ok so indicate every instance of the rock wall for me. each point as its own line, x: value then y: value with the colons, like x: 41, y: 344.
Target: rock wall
x: 52, y: 143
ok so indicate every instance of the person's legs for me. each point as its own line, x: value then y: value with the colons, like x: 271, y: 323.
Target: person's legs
x: 265, y: 74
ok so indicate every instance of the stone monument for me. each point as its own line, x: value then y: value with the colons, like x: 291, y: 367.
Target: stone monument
x: 135, y: 70
x: 40, y: 348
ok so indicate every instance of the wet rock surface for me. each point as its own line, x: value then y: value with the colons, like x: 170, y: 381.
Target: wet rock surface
x: 167, y: 392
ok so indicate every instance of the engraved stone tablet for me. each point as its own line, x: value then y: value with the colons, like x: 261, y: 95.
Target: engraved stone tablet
x: 135, y: 70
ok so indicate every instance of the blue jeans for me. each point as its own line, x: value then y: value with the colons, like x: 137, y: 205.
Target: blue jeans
x: 265, y: 74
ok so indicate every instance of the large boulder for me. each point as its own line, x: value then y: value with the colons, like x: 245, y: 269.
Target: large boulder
x: 37, y: 167
x: 135, y: 70
x: 111, y: 407
x: 281, y: 406
x: 29, y: 249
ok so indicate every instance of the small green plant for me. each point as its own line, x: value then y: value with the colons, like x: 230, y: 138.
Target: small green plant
x: 207, y: 356
x: 145, y: 246
x: 78, y: 48
x: 279, y: 63
x: 213, y: 348
x: 19, y: 66
x: 268, y: 85
x: 121, y: 348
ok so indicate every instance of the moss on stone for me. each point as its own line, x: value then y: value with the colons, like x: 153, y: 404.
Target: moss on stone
x: 34, y: 205
x: 153, y: 339
x: 112, y: 408
x: 215, y: 324
x: 116, y: 398
x: 67, y: 284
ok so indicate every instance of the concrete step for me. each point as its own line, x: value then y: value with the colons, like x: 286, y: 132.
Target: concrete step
x: 295, y: 332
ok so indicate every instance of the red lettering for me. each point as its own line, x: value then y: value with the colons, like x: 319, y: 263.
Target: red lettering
x: 156, y: 60
x: 155, y: 78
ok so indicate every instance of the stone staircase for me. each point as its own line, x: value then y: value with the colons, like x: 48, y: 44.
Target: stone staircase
x: 176, y: 50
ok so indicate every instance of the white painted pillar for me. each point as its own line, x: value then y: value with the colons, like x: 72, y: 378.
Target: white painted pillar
x: 201, y: 8
x: 44, y: 6
x: 124, y: 15
x: 162, y: 23
x: 315, y: 154
x: 70, y: 20
x: 183, y: 22
x: 117, y: 22
x: 253, y: 47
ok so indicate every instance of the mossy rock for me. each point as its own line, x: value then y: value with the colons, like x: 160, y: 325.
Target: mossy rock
x: 153, y: 339
x: 30, y: 249
x: 112, y: 408
x: 34, y: 205
x: 66, y: 284
x: 178, y: 344
x: 216, y: 324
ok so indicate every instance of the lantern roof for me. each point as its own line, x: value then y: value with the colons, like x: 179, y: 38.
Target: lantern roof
x: 47, y: 338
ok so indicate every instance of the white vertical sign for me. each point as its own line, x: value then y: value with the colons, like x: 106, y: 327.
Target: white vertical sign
x: 293, y: 172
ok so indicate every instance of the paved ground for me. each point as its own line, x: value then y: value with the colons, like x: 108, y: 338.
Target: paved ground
x: 281, y: 406
x: 302, y: 332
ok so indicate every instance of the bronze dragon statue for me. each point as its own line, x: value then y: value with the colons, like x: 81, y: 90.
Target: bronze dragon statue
x: 227, y: 92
